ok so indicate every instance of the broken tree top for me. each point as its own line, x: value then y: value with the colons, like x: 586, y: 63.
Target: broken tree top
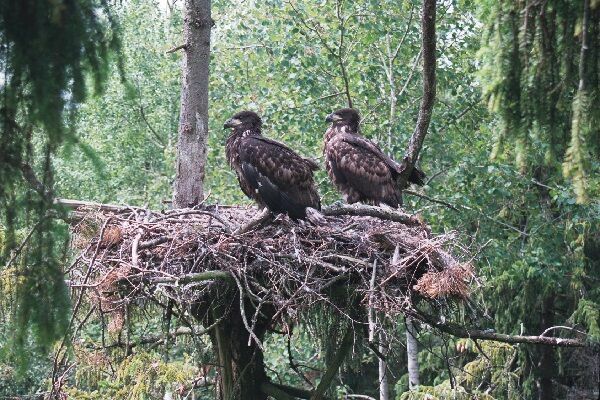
x: 385, y: 257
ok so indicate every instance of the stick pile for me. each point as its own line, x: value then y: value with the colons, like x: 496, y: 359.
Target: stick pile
x: 129, y: 254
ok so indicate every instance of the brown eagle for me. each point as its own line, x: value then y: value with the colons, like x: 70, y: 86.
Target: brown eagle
x: 269, y: 172
x: 357, y: 166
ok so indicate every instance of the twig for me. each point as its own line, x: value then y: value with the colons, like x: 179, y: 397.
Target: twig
x: 562, y: 327
x: 176, y: 48
x: 19, y: 249
x: 431, y: 199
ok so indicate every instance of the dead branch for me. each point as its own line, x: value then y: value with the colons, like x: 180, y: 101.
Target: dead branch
x: 176, y: 48
x: 371, y: 211
x: 467, y: 333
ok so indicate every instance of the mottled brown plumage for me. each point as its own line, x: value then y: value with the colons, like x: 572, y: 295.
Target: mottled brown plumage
x: 269, y: 172
x: 357, y: 166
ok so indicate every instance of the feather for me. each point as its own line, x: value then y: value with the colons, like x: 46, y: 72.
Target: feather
x: 270, y: 172
x: 358, y: 168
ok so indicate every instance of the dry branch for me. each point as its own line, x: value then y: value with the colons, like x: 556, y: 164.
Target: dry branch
x: 388, y: 214
x: 489, y: 334
x: 287, y: 265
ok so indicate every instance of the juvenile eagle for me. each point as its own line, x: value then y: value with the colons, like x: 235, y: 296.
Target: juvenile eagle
x: 269, y: 172
x: 357, y: 166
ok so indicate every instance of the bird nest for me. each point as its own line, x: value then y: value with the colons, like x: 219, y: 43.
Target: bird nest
x: 386, y: 257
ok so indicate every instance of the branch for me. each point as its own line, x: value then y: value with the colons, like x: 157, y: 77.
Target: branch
x: 426, y: 108
x: 340, y: 53
x: 75, y: 205
x: 19, y: 249
x: 584, y: 45
x: 273, y: 391
x: 267, y: 388
x: 182, y: 279
x: 34, y: 182
x: 256, y: 221
x: 153, y: 242
x: 371, y: 211
x: 154, y: 339
x: 176, y: 48
x: 458, y: 331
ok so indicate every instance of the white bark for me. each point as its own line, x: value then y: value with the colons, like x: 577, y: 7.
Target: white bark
x: 384, y: 391
x: 412, y: 355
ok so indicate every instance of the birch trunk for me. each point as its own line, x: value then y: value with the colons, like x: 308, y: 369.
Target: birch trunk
x: 384, y: 391
x: 412, y: 351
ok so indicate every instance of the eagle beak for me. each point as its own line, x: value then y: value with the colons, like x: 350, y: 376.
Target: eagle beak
x: 231, y: 123
x: 332, y: 118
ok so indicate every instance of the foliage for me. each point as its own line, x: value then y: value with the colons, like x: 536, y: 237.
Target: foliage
x: 140, y: 376
x: 540, y: 82
x: 537, y: 247
x: 47, y: 48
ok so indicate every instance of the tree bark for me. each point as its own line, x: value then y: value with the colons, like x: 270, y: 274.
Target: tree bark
x: 193, y: 118
x: 241, y: 361
x: 546, y: 364
x: 428, y: 16
x: 412, y: 352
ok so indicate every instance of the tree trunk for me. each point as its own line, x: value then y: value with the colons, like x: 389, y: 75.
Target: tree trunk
x: 546, y: 365
x: 241, y: 361
x: 193, y: 118
x: 384, y: 390
x: 428, y: 17
x: 412, y: 353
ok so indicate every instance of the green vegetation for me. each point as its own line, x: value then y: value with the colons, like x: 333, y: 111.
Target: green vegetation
x: 514, y: 147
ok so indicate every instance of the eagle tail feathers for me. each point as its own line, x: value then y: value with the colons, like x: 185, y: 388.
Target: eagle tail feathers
x: 417, y: 177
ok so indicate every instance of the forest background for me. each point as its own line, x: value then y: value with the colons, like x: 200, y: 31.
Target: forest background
x: 512, y: 153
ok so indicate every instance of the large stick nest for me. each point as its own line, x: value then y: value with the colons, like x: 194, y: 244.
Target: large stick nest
x: 131, y: 253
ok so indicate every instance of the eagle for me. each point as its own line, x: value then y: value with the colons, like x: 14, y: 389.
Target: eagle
x: 269, y: 172
x: 357, y: 166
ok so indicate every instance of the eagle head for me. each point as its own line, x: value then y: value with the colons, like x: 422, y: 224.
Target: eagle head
x: 345, y: 116
x: 244, y: 120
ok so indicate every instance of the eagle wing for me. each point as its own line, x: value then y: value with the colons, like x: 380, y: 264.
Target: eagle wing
x: 372, y: 148
x: 416, y: 176
x: 362, y: 171
x: 281, y: 178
